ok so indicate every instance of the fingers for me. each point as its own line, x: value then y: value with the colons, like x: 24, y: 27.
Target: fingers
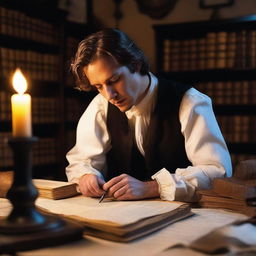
x: 90, y: 185
x: 122, y: 187
x: 113, y: 182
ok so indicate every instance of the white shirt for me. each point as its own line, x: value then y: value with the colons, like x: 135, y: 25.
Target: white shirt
x: 204, y: 143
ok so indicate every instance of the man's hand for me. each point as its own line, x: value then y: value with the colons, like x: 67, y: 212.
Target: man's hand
x: 91, y: 185
x: 125, y: 187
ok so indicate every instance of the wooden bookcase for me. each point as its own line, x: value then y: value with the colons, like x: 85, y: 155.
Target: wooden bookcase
x: 219, y: 59
x: 38, y: 42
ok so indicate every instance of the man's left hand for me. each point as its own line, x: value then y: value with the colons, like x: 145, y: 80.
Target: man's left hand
x: 125, y: 187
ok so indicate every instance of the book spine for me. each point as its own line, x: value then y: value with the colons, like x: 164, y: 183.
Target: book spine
x: 227, y: 188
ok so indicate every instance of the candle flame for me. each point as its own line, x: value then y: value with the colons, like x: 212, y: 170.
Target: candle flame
x: 19, y: 82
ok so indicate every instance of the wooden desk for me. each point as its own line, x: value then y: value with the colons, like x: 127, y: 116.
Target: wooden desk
x: 182, y: 232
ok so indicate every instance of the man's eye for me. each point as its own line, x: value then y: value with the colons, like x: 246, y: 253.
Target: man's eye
x: 114, y: 79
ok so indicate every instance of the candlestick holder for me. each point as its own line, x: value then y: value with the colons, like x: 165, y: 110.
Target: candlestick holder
x: 26, y: 227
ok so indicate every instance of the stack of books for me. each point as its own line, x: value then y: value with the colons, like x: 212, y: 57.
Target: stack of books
x: 237, y: 193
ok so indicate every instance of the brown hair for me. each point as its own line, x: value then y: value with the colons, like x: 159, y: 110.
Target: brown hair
x: 107, y: 42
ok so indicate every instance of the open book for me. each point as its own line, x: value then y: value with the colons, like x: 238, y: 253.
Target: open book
x: 120, y: 221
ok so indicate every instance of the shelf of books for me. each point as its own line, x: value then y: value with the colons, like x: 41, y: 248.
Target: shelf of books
x: 219, y: 59
x: 31, y: 44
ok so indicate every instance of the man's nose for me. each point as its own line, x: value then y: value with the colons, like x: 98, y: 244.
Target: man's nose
x: 111, y: 93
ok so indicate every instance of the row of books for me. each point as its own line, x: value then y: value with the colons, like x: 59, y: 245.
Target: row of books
x: 230, y: 92
x: 44, y: 110
x: 214, y: 50
x: 45, y: 151
x: 18, y: 24
x: 40, y: 66
x: 237, y: 129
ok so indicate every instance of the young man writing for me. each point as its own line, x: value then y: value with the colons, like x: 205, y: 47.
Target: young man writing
x: 141, y: 136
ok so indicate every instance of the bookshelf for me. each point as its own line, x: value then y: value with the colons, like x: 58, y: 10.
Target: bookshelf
x: 219, y: 59
x: 38, y: 41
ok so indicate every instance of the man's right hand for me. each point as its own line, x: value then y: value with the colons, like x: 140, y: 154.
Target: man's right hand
x: 91, y: 185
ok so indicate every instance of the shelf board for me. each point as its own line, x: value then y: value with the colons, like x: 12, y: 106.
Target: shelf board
x: 45, y: 171
x: 239, y: 109
x: 242, y: 148
x: 196, y: 29
x: 5, y: 126
x: 45, y: 129
x: 195, y: 76
x: 25, y: 44
x: 44, y: 10
x: 40, y: 130
x: 36, y: 87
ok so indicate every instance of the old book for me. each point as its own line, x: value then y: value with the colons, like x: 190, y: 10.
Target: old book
x: 210, y: 199
x: 120, y: 221
x: 54, y: 189
x: 46, y: 188
x: 242, y: 185
x: 235, y: 188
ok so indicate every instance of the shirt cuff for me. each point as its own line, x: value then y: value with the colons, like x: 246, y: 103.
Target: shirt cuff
x: 171, y: 186
x: 166, y: 184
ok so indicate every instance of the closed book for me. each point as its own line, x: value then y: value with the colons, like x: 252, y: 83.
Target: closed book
x: 210, y: 199
x: 235, y: 188
x: 54, y: 189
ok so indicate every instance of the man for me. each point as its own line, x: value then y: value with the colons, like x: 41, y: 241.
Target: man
x: 141, y: 137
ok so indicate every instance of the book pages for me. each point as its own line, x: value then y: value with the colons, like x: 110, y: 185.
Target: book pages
x: 116, y: 213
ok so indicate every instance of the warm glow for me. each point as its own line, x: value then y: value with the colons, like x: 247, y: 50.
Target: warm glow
x: 19, y: 82
x: 21, y: 107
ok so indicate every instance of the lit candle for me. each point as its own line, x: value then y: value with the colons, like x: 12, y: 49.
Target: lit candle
x: 21, y: 107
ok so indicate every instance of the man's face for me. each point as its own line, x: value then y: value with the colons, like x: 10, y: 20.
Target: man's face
x: 116, y: 83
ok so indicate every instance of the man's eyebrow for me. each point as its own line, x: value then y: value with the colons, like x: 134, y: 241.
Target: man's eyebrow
x: 107, y: 80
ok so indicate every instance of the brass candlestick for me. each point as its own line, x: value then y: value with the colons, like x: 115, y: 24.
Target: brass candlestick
x: 26, y: 227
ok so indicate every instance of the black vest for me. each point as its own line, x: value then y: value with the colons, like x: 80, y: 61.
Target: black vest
x: 164, y: 143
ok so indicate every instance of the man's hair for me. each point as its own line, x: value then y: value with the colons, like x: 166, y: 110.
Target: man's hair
x: 107, y: 42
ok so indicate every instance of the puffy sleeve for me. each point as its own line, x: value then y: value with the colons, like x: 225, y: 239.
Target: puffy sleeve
x: 205, y: 147
x: 92, y: 142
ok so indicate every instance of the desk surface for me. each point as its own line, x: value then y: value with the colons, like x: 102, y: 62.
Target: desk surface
x: 158, y: 243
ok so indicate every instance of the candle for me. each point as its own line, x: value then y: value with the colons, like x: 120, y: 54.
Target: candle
x: 21, y: 107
